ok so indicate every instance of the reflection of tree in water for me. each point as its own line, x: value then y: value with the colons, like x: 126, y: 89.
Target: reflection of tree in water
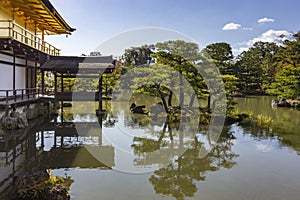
x: 145, y: 145
x: 137, y: 120
x: 286, y: 137
x: 110, y: 120
x: 164, y: 142
x: 177, y: 178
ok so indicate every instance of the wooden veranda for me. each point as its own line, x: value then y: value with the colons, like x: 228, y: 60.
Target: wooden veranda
x: 88, y: 67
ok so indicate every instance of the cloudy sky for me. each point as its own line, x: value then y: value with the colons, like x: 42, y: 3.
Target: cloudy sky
x: 237, y: 22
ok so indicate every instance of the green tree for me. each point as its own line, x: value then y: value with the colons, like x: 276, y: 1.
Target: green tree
x: 256, y: 67
x: 136, y: 56
x: 287, y: 83
x: 221, y: 55
x: 181, y: 55
x: 249, y: 71
x: 231, y: 87
x: 287, y: 78
x: 289, y: 54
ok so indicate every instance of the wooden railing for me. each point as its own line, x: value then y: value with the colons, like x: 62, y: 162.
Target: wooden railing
x: 18, y: 94
x: 8, y: 28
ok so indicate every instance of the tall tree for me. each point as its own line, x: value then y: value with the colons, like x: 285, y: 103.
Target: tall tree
x: 256, y: 67
x: 221, y: 55
x: 249, y: 71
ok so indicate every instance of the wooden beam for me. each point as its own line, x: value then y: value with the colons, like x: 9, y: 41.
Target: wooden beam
x: 80, y: 76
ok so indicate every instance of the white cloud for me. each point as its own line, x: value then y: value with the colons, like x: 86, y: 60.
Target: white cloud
x: 265, y: 20
x: 276, y: 36
x: 231, y: 26
x: 247, y: 29
x: 239, y: 50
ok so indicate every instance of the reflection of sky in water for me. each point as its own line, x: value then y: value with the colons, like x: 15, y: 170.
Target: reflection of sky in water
x: 265, y: 167
x: 263, y: 147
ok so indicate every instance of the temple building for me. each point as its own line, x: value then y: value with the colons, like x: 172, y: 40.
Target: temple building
x: 23, y: 49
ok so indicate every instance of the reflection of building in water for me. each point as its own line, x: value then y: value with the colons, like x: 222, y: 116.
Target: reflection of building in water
x: 17, y: 153
x: 78, y: 145
x: 21, y: 151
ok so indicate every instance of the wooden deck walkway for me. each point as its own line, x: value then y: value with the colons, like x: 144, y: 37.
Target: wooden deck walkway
x: 22, y: 97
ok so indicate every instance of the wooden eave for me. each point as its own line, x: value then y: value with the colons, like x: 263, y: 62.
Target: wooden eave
x: 41, y: 12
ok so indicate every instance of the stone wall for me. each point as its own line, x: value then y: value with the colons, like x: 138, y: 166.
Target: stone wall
x: 19, y: 118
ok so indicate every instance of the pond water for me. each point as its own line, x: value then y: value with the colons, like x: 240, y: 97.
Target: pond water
x: 128, y: 156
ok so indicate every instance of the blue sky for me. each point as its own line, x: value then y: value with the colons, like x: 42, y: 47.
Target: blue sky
x: 97, y: 21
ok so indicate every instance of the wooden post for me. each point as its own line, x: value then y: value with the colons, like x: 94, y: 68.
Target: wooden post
x: 62, y: 103
x: 14, y: 71
x: 62, y: 82
x: 43, y: 82
x: 6, y: 106
x: 55, y: 141
x: 35, y: 75
x: 35, y: 38
x: 61, y: 141
x: 55, y: 83
x: 55, y: 91
x: 25, y: 26
x: 26, y: 73
x: 43, y: 40
x: 62, y: 112
x: 13, y: 25
x: 42, y: 139
x: 100, y: 94
x: 100, y: 135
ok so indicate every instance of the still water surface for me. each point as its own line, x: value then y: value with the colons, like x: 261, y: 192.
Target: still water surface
x: 135, y: 157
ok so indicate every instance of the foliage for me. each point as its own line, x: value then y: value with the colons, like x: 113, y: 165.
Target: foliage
x: 136, y: 56
x: 221, y: 55
x: 287, y: 83
x: 256, y: 67
x: 181, y: 55
x: 43, y: 185
x: 264, y: 121
x: 231, y: 88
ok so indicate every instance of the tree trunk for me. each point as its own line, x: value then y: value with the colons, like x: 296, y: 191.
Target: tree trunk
x: 164, y: 102
x: 181, y: 91
x: 170, y: 98
x: 192, y: 100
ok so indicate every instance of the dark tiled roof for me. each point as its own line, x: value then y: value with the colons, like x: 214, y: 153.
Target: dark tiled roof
x: 73, y: 64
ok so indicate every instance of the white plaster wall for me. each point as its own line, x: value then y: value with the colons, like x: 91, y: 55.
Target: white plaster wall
x: 22, y: 61
x: 20, y: 77
x: 6, y: 73
x: 6, y: 77
x: 6, y: 58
